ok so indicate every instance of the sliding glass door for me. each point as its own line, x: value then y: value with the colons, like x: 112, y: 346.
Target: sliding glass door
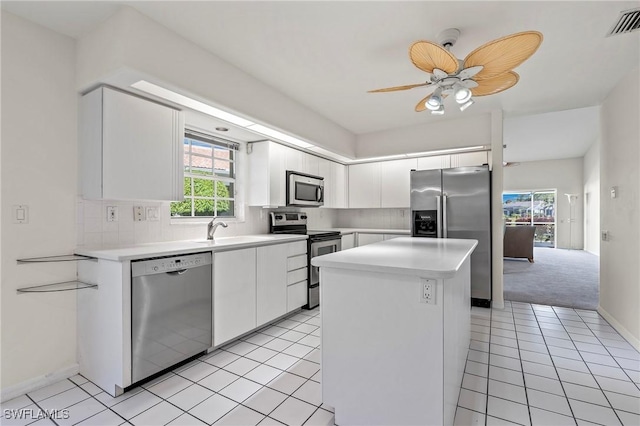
x: 537, y: 208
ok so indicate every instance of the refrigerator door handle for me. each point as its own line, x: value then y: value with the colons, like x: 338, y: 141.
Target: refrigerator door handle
x: 444, y: 216
x: 439, y: 216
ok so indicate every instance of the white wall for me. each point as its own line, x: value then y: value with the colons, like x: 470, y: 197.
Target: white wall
x: 591, y: 198
x: 563, y: 175
x: 620, y: 160
x: 39, y: 170
x: 130, y: 40
x: 449, y: 133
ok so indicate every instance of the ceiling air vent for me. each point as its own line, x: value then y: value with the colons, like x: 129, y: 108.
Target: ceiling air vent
x: 628, y: 21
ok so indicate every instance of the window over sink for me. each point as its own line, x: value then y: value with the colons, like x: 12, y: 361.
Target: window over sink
x: 209, y: 177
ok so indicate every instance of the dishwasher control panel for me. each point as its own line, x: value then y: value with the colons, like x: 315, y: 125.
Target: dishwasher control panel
x: 169, y: 264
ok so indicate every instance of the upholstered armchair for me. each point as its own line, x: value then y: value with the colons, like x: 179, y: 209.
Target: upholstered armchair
x: 518, y: 241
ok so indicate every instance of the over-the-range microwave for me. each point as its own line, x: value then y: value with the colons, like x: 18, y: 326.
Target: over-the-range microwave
x: 304, y: 190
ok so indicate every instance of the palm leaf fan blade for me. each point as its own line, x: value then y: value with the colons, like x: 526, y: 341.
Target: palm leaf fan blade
x: 496, y: 84
x: 504, y: 54
x: 427, y: 56
x: 396, y: 88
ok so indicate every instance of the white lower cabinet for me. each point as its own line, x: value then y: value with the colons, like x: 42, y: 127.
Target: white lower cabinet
x: 234, y: 294
x: 271, y: 283
x: 254, y: 286
x: 364, y: 239
x: 348, y: 241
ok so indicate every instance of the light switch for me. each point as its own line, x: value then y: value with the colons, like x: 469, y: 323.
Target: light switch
x: 21, y: 214
x: 614, y: 191
x: 153, y: 214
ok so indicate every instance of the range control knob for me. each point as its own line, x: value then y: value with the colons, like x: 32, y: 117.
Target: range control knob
x: 278, y: 217
x: 155, y: 268
x: 303, y: 217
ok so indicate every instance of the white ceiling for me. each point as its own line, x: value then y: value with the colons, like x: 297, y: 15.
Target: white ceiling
x: 327, y: 54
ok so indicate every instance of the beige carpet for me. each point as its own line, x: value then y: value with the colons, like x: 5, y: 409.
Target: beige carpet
x: 558, y: 277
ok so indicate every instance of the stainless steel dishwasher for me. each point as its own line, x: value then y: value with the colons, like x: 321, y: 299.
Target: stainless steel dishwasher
x: 171, y: 307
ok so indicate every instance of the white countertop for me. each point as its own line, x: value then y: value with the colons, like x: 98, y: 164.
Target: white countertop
x: 170, y: 248
x: 423, y: 257
x: 345, y: 231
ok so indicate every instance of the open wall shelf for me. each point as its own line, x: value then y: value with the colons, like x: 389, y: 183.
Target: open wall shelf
x: 55, y: 287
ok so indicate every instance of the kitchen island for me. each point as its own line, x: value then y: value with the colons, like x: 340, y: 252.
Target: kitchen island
x: 395, y: 330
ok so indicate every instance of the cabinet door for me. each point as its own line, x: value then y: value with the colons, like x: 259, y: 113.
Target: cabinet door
x: 364, y: 185
x: 310, y: 164
x: 142, y: 149
x: 293, y: 159
x: 325, y: 170
x: 395, y: 186
x: 348, y: 241
x: 364, y: 239
x: 271, y: 282
x: 234, y: 294
x: 434, y: 162
x: 339, y: 185
x: 467, y: 159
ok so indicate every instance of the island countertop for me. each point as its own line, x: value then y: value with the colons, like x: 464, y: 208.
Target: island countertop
x: 423, y: 257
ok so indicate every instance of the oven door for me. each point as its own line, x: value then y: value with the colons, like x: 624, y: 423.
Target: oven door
x: 304, y: 190
x: 319, y: 248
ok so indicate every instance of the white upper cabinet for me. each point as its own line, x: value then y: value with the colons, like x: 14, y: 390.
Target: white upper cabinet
x: 434, y: 162
x: 364, y: 185
x: 339, y: 185
x: 130, y: 148
x: 469, y: 159
x: 395, y: 182
x: 310, y: 164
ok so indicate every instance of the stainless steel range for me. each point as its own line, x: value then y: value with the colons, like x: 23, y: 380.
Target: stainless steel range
x: 319, y: 243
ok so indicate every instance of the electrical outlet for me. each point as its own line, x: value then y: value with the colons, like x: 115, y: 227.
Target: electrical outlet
x: 153, y: 214
x: 21, y: 214
x: 112, y: 213
x: 428, y: 291
x: 604, y: 235
x: 138, y: 214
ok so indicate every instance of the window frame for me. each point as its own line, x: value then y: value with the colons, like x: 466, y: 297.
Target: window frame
x: 187, y: 164
x: 532, y: 193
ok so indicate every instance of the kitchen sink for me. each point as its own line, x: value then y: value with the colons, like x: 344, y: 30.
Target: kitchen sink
x: 244, y: 239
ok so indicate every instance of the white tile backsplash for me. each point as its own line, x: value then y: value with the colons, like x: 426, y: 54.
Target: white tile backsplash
x: 373, y: 218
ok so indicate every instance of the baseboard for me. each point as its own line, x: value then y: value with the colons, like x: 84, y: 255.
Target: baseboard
x: 633, y: 341
x: 38, y: 382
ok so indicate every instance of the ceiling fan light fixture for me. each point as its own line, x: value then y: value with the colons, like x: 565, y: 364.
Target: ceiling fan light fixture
x: 467, y: 104
x: 461, y: 93
x: 439, y: 111
x: 435, y: 101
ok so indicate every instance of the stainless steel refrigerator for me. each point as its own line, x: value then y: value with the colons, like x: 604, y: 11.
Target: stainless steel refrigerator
x: 456, y: 203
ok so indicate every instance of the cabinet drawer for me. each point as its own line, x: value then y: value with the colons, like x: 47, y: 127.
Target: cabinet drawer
x: 297, y: 262
x: 299, y: 247
x: 296, y: 295
x: 297, y: 275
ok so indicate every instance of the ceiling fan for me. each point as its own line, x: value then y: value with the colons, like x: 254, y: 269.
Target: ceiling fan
x: 485, y: 71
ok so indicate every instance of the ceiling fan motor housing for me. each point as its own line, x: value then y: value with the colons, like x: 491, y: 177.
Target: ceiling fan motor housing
x: 448, y: 37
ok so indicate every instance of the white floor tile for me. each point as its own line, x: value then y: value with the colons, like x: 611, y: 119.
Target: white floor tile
x: 263, y: 374
x: 544, y: 384
x: 317, y: 377
x: 240, y: 390
x: 310, y: 340
x: 81, y: 411
x: 103, y: 418
x: 15, y: 404
x: 494, y: 421
x: 539, y: 369
x: 628, y: 419
x: 528, y: 337
x: 504, y: 341
x: 561, y: 343
x: 297, y: 350
x: 241, y: 416
x: 51, y: 390
x: 282, y: 361
x: 170, y: 386
x: 292, y: 336
x: 110, y: 401
x: 503, y: 351
x: 599, y: 359
x: 187, y: 420
x: 570, y: 364
x: 286, y: 383
x: 258, y: 339
x: 64, y: 399
x: 242, y: 348
x: 536, y: 357
x: 478, y: 356
x: 534, y: 347
x: 241, y: 366
x: 91, y: 388
x: 466, y: 417
x: 548, y: 401
x: 477, y: 368
x: 479, y: 346
x: 474, y: 383
x: 265, y: 400
x: 218, y: 380
x: 212, y: 409
x: 305, y: 328
x: 480, y: 337
x: 628, y: 364
x: 606, y: 371
x: 310, y: 392
x: 505, y: 362
x: 277, y: 344
x: 507, y: 410
x: 136, y: 404
x: 593, y: 413
x: 505, y: 375
x: 274, y: 331
x: 160, y: 414
x: 585, y: 394
x: 620, y: 386
x: 78, y: 379
x: 304, y: 368
x: 625, y: 353
x: 198, y: 371
x: 314, y: 356
x: 321, y: 418
x: 261, y: 354
x: 293, y: 412
x: 507, y: 391
x: 624, y: 402
x: 221, y: 359
x: 471, y: 400
x: 547, y: 418
x: 190, y: 397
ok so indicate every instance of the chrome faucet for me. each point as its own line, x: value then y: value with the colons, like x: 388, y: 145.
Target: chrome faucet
x: 211, y: 228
